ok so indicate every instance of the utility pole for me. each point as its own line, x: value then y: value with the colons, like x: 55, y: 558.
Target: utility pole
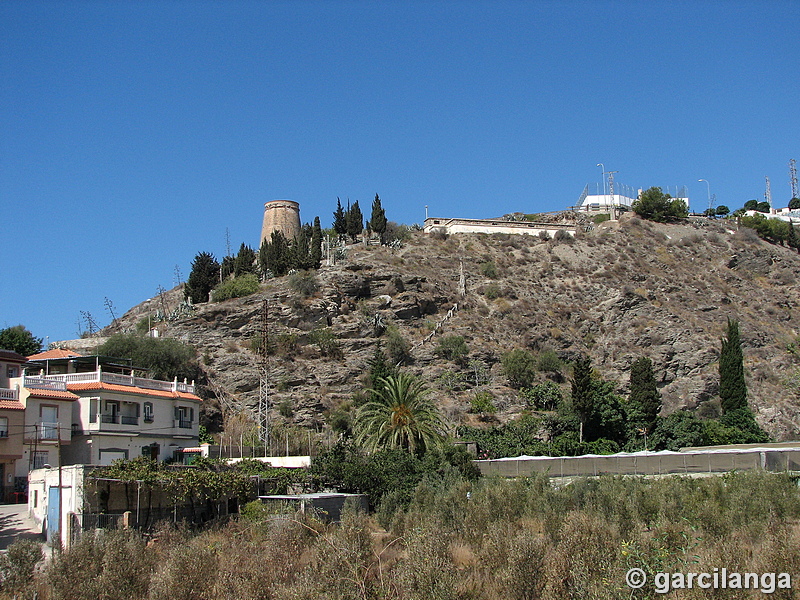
x: 768, y: 194
x: 611, y: 193
x: 263, y: 400
x: 793, y: 178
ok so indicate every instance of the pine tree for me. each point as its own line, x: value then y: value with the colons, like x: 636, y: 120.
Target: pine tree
x: 18, y: 339
x: 316, y: 244
x: 203, y: 278
x: 273, y: 256
x: 732, y: 387
x: 339, y: 219
x: 792, y: 239
x: 377, y: 221
x: 644, y: 401
x: 355, y: 221
x: 582, y: 392
x: 245, y: 261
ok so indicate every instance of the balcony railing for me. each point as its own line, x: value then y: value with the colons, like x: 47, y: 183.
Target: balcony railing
x: 183, y: 423
x: 129, y: 420
x: 42, y: 383
x: 3, y: 434
x: 48, y: 431
x: 114, y: 378
x: 8, y: 394
x: 116, y: 419
x: 109, y: 419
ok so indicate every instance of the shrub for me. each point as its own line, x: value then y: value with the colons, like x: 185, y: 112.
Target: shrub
x: 304, y: 283
x: 397, y: 346
x: 520, y: 368
x: 492, y: 291
x: 452, y: 347
x: 548, y: 361
x: 17, y: 566
x: 285, y: 409
x: 489, y: 269
x: 238, y: 287
x: 326, y: 341
x: 483, y: 402
x: 164, y: 358
x: 542, y: 396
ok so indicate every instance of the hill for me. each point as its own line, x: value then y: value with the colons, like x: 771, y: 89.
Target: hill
x: 617, y: 292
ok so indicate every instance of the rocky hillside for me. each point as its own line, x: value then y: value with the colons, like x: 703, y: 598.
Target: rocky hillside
x: 623, y: 290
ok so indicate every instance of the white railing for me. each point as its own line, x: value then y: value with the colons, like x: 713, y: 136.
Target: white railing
x: 48, y: 431
x: 117, y: 379
x: 44, y: 384
x: 8, y: 394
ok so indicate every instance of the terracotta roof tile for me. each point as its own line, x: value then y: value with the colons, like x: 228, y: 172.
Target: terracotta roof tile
x: 11, y: 404
x: 54, y: 394
x: 55, y: 353
x: 129, y: 389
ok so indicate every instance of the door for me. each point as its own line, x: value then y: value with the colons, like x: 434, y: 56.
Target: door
x: 53, y: 516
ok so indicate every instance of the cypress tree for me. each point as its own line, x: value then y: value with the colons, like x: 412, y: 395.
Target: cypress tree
x: 245, y: 261
x: 355, y: 221
x: 644, y: 401
x: 582, y: 393
x: 203, y: 278
x: 273, y: 256
x: 316, y: 244
x: 732, y: 387
x: 377, y: 221
x: 339, y: 219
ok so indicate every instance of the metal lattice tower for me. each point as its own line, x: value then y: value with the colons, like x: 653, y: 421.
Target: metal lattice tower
x: 263, y: 392
x: 793, y: 178
x: 768, y: 193
x: 611, y: 192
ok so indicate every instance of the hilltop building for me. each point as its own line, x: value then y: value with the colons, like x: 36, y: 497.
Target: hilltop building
x: 283, y: 216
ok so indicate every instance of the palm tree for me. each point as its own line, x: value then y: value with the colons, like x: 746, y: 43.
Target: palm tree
x: 400, y: 416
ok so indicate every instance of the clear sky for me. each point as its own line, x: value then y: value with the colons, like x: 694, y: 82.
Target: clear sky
x: 133, y: 134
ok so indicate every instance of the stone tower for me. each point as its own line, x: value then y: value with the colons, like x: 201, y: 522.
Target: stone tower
x: 283, y: 216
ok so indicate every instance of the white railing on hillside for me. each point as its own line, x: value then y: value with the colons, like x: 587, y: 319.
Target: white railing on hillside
x: 118, y: 379
x: 9, y: 394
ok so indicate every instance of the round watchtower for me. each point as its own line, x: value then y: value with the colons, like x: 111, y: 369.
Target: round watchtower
x: 283, y: 216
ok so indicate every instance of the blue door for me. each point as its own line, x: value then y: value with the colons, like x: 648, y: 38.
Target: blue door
x: 53, y: 516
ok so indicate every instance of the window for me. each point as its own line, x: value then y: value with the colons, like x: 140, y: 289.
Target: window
x: 48, y: 428
x: 148, y: 412
x: 3, y: 427
x: 184, y: 416
x: 40, y: 458
x: 12, y: 372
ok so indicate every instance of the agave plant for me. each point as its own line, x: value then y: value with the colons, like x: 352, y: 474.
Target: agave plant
x: 400, y: 416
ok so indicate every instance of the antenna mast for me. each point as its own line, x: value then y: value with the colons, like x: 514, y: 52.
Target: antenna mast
x: 768, y: 194
x: 611, y: 193
x: 263, y: 396
x: 793, y: 178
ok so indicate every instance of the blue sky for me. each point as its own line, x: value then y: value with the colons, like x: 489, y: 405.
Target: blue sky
x: 133, y: 134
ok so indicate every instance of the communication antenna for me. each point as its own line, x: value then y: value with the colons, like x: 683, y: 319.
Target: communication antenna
x: 263, y: 396
x: 611, y: 193
x: 768, y: 194
x: 793, y: 178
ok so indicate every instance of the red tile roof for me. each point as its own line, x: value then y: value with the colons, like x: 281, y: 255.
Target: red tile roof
x: 11, y: 404
x: 12, y: 356
x: 55, y: 353
x: 129, y: 389
x: 54, y: 394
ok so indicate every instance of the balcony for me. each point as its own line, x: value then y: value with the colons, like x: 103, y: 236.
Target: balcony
x: 47, y: 431
x: 183, y: 424
x: 9, y: 394
x: 113, y: 378
x: 122, y: 421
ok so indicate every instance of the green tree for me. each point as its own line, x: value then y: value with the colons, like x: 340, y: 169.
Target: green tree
x: 339, y: 219
x: 520, y: 367
x: 245, y: 261
x: 452, y: 347
x: 751, y: 205
x: 732, y: 387
x: 401, y: 416
x: 792, y: 239
x: 18, y: 339
x: 300, y: 251
x: 655, y: 205
x: 794, y: 203
x: 355, y: 221
x: 379, y: 370
x: 203, y: 278
x: 273, y: 256
x: 722, y: 210
x: 644, y: 400
x: 763, y: 206
x: 316, y: 244
x: 679, y: 430
x: 377, y: 221
x: 582, y: 392
x: 162, y: 358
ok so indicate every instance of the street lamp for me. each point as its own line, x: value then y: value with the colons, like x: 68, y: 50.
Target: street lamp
x: 601, y: 165
x: 708, y: 189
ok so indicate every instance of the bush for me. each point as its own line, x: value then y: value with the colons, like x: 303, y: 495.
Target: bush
x: 492, y: 291
x: 489, y: 269
x: 17, y: 566
x: 452, y: 347
x: 304, y: 283
x: 163, y: 358
x: 238, y: 287
x: 548, y: 361
x: 326, y: 341
x: 483, y: 403
x: 520, y: 368
x: 542, y: 396
x: 397, y: 346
